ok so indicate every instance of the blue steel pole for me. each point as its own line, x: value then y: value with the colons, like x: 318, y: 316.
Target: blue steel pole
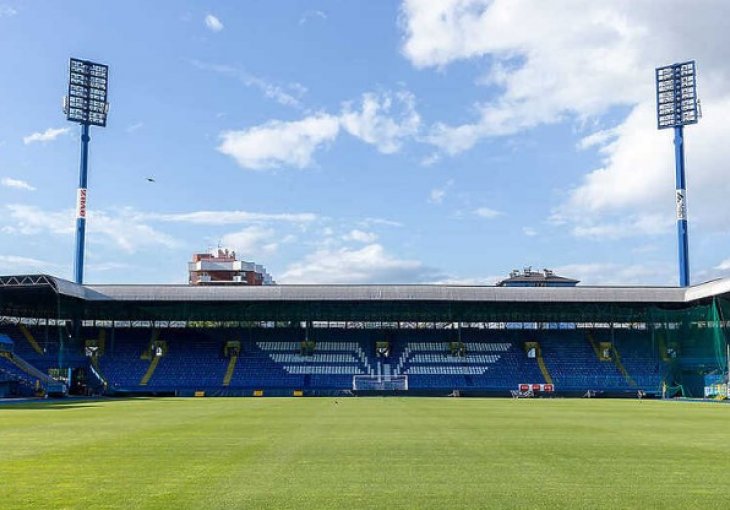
x: 81, y: 205
x: 681, y: 203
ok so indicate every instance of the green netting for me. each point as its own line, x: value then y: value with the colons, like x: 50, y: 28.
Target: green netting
x: 692, y: 344
x: 723, y: 308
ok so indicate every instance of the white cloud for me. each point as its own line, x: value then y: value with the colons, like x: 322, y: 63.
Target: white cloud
x: 486, y: 213
x: 9, y: 182
x: 597, y: 273
x: 368, y: 222
x: 546, y: 70
x: 276, y: 92
x: 212, y: 23
x: 437, y: 194
x: 131, y: 230
x: 377, y: 123
x: 30, y: 220
x: 578, y: 61
x: 633, y: 148
x: 369, y: 264
x: 384, y: 120
x: 632, y: 192
x: 230, y: 217
x: 724, y: 265
x: 551, y: 62
x: 467, y: 282
x: 599, y: 138
x: 48, y: 135
x: 120, y: 229
x: 17, y: 264
x: 127, y: 235
x: 287, y: 95
x: 618, y: 228
x: 6, y: 11
x: 360, y: 236
x: 101, y: 267
x: 312, y: 15
x: 529, y: 231
x: 431, y: 159
x: 134, y: 127
x: 278, y: 143
x: 252, y: 242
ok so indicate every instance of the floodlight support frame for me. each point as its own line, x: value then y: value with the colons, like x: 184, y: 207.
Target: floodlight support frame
x: 681, y: 203
x: 81, y: 205
x: 673, y: 81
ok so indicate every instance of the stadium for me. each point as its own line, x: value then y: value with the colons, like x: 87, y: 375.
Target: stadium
x: 363, y: 378
x: 290, y: 340
x: 381, y: 362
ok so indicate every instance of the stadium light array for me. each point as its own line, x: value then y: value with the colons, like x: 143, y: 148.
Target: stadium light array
x: 86, y: 103
x: 677, y: 106
x: 676, y: 95
x: 87, y: 88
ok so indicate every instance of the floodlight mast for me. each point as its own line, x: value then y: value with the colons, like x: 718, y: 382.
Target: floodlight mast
x: 676, y: 89
x: 86, y: 103
x: 81, y: 205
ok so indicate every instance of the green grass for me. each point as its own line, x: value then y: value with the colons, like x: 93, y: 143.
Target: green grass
x: 381, y: 453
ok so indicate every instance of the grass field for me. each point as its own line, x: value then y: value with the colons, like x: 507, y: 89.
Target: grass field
x: 364, y: 453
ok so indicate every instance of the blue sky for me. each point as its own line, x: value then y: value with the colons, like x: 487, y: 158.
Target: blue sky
x: 332, y: 141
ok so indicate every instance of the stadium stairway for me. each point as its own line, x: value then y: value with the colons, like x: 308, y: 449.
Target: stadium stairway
x: 150, y: 371
x: 123, y: 362
x: 617, y: 361
x: 642, y: 359
x: 9, y: 372
x: 44, y: 355
x: 594, y: 345
x: 96, y: 370
x: 615, y: 358
x: 49, y: 384
x: 543, y: 367
x: 31, y: 339
x: 229, y: 371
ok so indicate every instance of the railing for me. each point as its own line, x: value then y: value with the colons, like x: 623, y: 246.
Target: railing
x: 51, y: 384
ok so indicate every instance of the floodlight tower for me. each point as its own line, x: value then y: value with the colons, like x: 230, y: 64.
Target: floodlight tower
x: 86, y: 103
x: 676, y: 92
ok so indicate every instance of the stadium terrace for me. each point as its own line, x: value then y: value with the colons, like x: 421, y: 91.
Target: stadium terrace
x: 355, y: 339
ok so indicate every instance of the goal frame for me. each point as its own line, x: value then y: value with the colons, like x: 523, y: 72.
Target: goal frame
x: 381, y: 382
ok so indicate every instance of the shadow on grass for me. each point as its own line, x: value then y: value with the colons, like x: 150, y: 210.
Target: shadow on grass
x: 59, y: 403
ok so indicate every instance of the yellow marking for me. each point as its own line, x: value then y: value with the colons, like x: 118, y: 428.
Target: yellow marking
x: 621, y: 368
x: 543, y: 368
x: 596, y: 349
x: 150, y: 370
x: 229, y: 372
x: 31, y: 340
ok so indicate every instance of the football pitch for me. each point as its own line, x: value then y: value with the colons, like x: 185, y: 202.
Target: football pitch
x: 382, y: 453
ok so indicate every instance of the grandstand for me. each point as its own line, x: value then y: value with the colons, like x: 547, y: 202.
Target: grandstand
x: 350, y: 339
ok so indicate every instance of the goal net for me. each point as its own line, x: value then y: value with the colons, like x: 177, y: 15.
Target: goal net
x: 380, y: 382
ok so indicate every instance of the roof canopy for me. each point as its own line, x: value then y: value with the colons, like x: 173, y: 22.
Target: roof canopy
x: 45, y: 296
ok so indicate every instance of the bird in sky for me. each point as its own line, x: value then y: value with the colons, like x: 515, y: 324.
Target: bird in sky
x: 150, y: 179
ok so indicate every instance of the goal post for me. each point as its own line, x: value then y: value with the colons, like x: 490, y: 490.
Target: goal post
x: 380, y: 382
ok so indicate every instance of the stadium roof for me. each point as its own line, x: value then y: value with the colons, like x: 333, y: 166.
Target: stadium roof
x: 47, y: 296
